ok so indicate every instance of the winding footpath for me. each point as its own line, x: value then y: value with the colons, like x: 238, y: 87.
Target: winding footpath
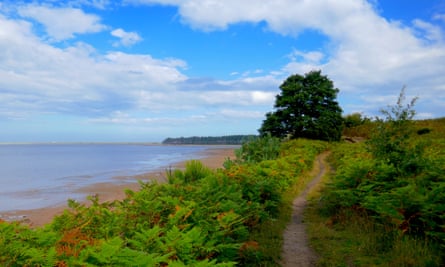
x: 296, y: 250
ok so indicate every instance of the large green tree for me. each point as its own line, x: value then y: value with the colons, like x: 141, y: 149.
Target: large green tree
x: 306, y: 107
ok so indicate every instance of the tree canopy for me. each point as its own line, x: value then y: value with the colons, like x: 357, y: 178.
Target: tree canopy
x: 306, y: 107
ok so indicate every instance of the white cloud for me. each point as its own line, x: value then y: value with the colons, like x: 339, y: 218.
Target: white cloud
x: 259, y: 97
x: 285, y: 16
x: 303, y: 62
x: 116, y: 87
x: 149, y: 2
x: 238, y: 114
x: 126, y: 38
x: 38, y: 77
x: 365, y: 53
x: 439, y: 17
x: 429, y: 31
x: 311, y: 56
x: 62, y: 23
x: 124, y: 118
x: 368, y: 57
x: 238, y: 98
x: 100, y: 4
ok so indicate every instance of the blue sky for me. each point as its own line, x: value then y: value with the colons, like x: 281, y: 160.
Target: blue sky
x: 144, y: 70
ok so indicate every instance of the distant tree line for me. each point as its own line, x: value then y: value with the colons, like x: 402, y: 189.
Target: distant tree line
x: 210, y: 140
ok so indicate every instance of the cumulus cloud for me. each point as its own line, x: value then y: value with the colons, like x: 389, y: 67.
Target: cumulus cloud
x: 429, y: 31
x: 126, y: 38
x: 39, y: 78
x: 286, y: 17
x: 368, y: 57
x: 365, y: 54
x: 36, y: 76
x: 62, y: 22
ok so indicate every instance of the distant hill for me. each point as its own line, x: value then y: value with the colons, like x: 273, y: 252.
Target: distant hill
x: 209, y: 140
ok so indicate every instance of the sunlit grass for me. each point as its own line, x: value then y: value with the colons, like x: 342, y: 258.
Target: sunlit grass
x: 353, y: 238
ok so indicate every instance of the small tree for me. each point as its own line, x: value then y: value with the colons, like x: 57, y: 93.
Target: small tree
x: 390, y: 141
x: 306, y: 107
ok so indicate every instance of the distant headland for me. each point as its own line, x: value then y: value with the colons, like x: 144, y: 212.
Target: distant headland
x: 210, y: 140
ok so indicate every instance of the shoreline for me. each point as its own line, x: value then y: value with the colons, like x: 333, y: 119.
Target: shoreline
x: 109, y: 191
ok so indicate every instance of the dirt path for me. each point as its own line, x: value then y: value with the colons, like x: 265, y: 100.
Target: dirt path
x: 296, y: 250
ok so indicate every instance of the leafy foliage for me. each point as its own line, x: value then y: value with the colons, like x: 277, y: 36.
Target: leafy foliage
x: 265, y: 148
x: 306, y: 107
x: 390, y: 141
x: 201, y: 217
x: 354, y: 120
x: 396, y: 180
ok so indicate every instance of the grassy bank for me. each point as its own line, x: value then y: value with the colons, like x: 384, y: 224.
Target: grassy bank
x: 201, y: 217
x: 383, y: 205
x: 383, y: 209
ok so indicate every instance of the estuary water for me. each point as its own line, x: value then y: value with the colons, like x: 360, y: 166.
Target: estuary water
x: 40, y: 175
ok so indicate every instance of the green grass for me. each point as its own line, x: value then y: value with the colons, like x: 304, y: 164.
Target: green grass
x: 372, y: 212
x: 352, y: 237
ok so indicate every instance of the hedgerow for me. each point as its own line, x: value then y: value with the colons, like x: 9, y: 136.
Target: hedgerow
x: 201, y: 217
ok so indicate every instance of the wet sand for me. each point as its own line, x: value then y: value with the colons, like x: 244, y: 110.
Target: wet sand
x: 212, y: 158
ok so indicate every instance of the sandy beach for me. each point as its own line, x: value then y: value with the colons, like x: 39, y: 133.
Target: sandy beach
x: 212, y: 158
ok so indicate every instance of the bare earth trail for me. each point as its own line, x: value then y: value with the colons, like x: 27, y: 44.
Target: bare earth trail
x: 296, y: 250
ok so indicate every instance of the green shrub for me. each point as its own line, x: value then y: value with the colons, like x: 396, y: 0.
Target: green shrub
x: 397, y: 181
x: 354, y: 120
x: 264, y: 148
x: 194, y: 170
x: 201, y: 217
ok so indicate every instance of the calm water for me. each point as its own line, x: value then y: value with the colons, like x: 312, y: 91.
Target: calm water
x: 41, y: 175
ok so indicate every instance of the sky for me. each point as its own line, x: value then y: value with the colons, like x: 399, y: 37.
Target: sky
x: 145, y: 70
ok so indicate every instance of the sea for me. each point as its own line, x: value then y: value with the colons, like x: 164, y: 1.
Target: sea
x: 35, y: 176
